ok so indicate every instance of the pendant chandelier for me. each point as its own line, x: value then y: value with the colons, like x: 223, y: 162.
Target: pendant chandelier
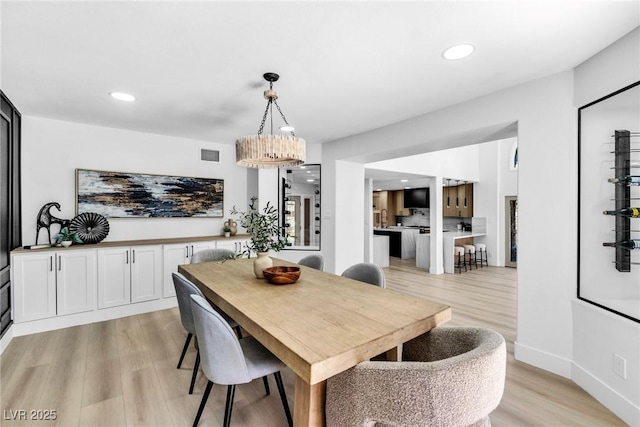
x: 271, y: 151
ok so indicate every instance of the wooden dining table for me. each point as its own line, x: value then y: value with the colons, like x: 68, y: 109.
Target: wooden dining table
x: 319, y: 326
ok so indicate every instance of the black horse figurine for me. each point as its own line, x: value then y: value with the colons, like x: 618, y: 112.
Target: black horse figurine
x: 45, y: 219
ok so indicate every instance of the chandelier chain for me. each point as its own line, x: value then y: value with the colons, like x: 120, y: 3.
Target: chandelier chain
x: 282, y: 115
x: 264, y: 117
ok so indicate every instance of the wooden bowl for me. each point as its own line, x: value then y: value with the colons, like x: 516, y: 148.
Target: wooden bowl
x: 282, y: 275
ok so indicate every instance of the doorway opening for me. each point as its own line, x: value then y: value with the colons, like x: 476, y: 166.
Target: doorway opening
x: 511, y: 232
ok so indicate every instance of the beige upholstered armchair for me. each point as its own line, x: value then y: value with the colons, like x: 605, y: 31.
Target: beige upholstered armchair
x: 448, y: 377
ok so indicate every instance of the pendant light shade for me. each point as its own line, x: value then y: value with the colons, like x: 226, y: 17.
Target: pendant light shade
x: 271, y: 151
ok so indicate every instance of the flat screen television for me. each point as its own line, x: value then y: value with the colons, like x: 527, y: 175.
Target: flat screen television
x: 416, y: 198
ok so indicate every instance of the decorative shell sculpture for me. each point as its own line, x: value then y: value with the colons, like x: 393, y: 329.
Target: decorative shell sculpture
x: 90, y: 227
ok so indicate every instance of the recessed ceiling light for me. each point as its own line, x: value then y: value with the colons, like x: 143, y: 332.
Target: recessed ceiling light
x: 378, y: 189
x: 303, y: 167
x: 121, y: 96
x: 458, y: 51
x: 404, y: 180
x: 310, y: 180
x: 407, y: 188
x: 287, y: 128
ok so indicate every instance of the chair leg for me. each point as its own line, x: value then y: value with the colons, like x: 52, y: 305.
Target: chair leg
x: 266, y: 385
x: 283, y: 396
x: 203, y: 402
x: 231, y: 391
x: 184, y: 349
x: 195, y: 372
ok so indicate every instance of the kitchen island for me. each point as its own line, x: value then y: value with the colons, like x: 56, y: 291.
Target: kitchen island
x: 449, y: 241
x: 402, y: 240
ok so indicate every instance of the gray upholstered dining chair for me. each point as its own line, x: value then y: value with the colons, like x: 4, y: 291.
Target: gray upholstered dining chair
x: 230, y: 361
x: 366, y: 272
x: 184, y: 290
x: 314, y: 261
x: 207, y: 255
x: 448, y: 377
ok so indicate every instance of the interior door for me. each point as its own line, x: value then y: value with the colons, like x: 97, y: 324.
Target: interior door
x: 511, y: 232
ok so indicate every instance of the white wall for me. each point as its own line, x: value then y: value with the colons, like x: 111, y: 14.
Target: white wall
x: 53, y: 149
x: 599, y: 334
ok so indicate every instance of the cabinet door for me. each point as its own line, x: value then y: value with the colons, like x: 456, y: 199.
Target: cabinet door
x: 76, y: 276
x: 200, y: 246
x: 469, y: 194
x: 449, y: 194
x: 233, y: 245
x: 114, y: 277
x: 173, y: 256
x: 146, y: 273
x: 34, y: 284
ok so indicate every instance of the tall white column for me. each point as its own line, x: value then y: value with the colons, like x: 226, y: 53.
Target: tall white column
x: 435, y: 222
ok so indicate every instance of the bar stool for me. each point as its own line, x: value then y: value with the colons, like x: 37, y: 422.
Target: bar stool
x: 459, y: 252
x: 471, y: 251
x: 481, y: 249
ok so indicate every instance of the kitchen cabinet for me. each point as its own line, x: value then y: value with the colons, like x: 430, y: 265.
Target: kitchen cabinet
x: 381, y: 209
x: 54, y: 283
x: 457, y: 194
x: 129, y: 275
x: 400, y: 210
x: 236, y: 246
x: 178, y: 254
x: 402, y: 241
x: 387, y: 206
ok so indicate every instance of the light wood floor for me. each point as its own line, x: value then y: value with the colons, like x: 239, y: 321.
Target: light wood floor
x: 123, y: 372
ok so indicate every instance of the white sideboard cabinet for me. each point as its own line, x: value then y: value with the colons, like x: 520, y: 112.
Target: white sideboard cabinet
x: 58, y: 287
x: 54, y: 283
x: 129, y: 275
x: 178, y: 254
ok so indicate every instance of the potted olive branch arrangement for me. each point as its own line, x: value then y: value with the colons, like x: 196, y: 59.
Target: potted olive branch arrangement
x: 266, y: 234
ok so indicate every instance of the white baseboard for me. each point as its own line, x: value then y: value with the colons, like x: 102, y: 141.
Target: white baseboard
x: 543, y: 360
x: 616, y: 403
x: 52, y: 323
x: 6, y: 339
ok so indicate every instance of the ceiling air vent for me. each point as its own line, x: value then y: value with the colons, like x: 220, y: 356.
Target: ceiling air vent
x: 209, y: 155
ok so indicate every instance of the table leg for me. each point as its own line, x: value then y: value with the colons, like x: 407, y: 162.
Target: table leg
x: 308, y: 404
x: 395, y: 354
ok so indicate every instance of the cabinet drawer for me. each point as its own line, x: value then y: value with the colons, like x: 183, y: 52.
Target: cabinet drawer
x: 5, y: 321
x: 5, y: 298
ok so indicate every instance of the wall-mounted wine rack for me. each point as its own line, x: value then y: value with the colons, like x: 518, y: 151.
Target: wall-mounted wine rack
x: 623, y: 197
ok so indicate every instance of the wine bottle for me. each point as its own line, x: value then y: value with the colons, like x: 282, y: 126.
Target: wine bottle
x: 630, y: 244
x: 628, y: 212
x: 626, y: 180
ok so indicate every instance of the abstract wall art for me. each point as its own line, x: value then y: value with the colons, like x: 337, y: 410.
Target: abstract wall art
x: 136, y: 195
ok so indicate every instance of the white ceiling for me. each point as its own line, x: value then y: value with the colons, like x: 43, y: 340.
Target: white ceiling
x: 346, y: 67
x: 392, y: 180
